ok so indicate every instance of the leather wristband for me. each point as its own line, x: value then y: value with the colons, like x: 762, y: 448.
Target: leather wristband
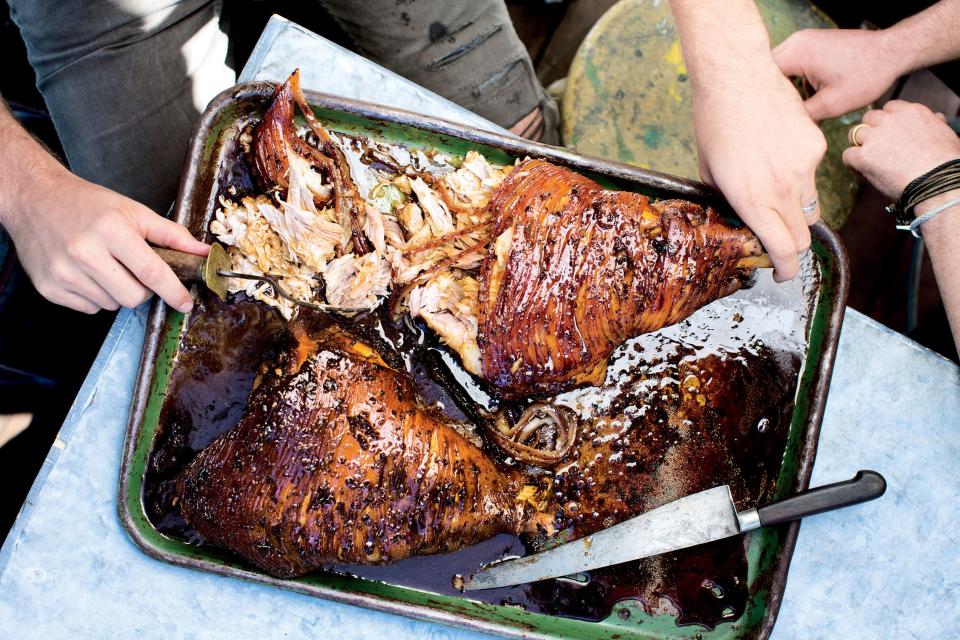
x: 940, y: 179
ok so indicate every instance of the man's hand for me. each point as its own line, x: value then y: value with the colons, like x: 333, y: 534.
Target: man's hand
x: 759, y: 147
x: 849, y: 68
x: 755, y: 141
x: 85, y: 247
x: 903, y: 141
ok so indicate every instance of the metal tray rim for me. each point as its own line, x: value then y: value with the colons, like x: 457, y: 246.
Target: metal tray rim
x: 517, y: 146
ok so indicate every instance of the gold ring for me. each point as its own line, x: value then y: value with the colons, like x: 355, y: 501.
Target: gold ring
x: 852, y: 134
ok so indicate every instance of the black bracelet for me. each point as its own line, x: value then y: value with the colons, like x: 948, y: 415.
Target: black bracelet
x: 921, y: 188
x: 941, y: 179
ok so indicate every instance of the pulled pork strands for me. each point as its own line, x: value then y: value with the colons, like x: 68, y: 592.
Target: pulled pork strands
x: 276, y: 145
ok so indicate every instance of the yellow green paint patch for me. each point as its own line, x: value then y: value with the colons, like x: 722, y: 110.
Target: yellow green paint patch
x: 675, y: 57
x: 653, y: 136
x: 628, y: 96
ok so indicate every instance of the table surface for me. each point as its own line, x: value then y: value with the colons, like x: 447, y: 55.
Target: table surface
x: 886, y: 569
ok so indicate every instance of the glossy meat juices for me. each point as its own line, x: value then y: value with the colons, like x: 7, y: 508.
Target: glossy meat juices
x: 336, y: 460
x: 576, y: 270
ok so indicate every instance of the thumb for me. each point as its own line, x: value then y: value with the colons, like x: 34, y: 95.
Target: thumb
x: 166, y: 233
x: 852, y: 157
x: 823, y: 105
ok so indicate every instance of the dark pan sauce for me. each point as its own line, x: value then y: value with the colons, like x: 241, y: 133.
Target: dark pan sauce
x: 680, y: 413
x: 703, y: 403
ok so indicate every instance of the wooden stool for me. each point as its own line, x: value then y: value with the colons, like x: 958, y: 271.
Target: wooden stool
x: 627, y: 97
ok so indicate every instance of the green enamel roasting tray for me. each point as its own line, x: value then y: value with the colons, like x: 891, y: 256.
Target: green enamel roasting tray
x: 768, y: 551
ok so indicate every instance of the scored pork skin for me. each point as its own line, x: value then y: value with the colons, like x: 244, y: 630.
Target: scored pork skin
x: 575, y: 270
x: 339, y: 463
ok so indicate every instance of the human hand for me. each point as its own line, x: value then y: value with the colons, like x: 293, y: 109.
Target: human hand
x: 902, y: 141
x: 759, y: 147
x: 849, y: 68
x: 85, y: 246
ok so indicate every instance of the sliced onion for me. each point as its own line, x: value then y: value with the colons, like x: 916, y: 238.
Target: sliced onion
x: 543, y: 435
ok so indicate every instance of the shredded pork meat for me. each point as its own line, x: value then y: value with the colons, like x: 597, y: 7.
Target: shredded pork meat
x: 420, y: 225
x: 256, y: 247
x: 448, y: 304
x: 357, y: 283
x: 472, y: 185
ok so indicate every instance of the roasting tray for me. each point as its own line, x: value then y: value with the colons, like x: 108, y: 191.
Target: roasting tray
x: 768, y: 550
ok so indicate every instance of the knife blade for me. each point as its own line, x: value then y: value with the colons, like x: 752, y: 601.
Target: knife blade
x: 690, y: 521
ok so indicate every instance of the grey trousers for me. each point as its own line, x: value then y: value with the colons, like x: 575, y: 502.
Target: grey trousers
x: 126, y: 80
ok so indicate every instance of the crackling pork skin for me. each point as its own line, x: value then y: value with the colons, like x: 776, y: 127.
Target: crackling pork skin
x: 575, y: 270
x: 335, y: 460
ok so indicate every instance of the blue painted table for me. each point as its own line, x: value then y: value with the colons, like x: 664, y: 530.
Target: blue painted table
x: 887, y: 569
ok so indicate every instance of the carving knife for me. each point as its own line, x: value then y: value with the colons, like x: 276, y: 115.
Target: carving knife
x: 692, y: 520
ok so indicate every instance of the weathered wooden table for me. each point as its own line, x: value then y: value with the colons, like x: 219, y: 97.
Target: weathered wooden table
x: 887, y: 569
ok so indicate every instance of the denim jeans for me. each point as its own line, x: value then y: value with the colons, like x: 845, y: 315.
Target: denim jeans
x: 126, y: 80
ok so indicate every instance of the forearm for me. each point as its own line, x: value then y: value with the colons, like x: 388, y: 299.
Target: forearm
x: 927, y: 38
x: 24, y: 165
x: 941, y: 235
x: 755, y: 141
x: 719, y: 37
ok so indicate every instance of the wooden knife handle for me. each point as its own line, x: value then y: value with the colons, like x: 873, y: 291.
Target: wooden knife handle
x: 188, y: 267
x: 866, y: 485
